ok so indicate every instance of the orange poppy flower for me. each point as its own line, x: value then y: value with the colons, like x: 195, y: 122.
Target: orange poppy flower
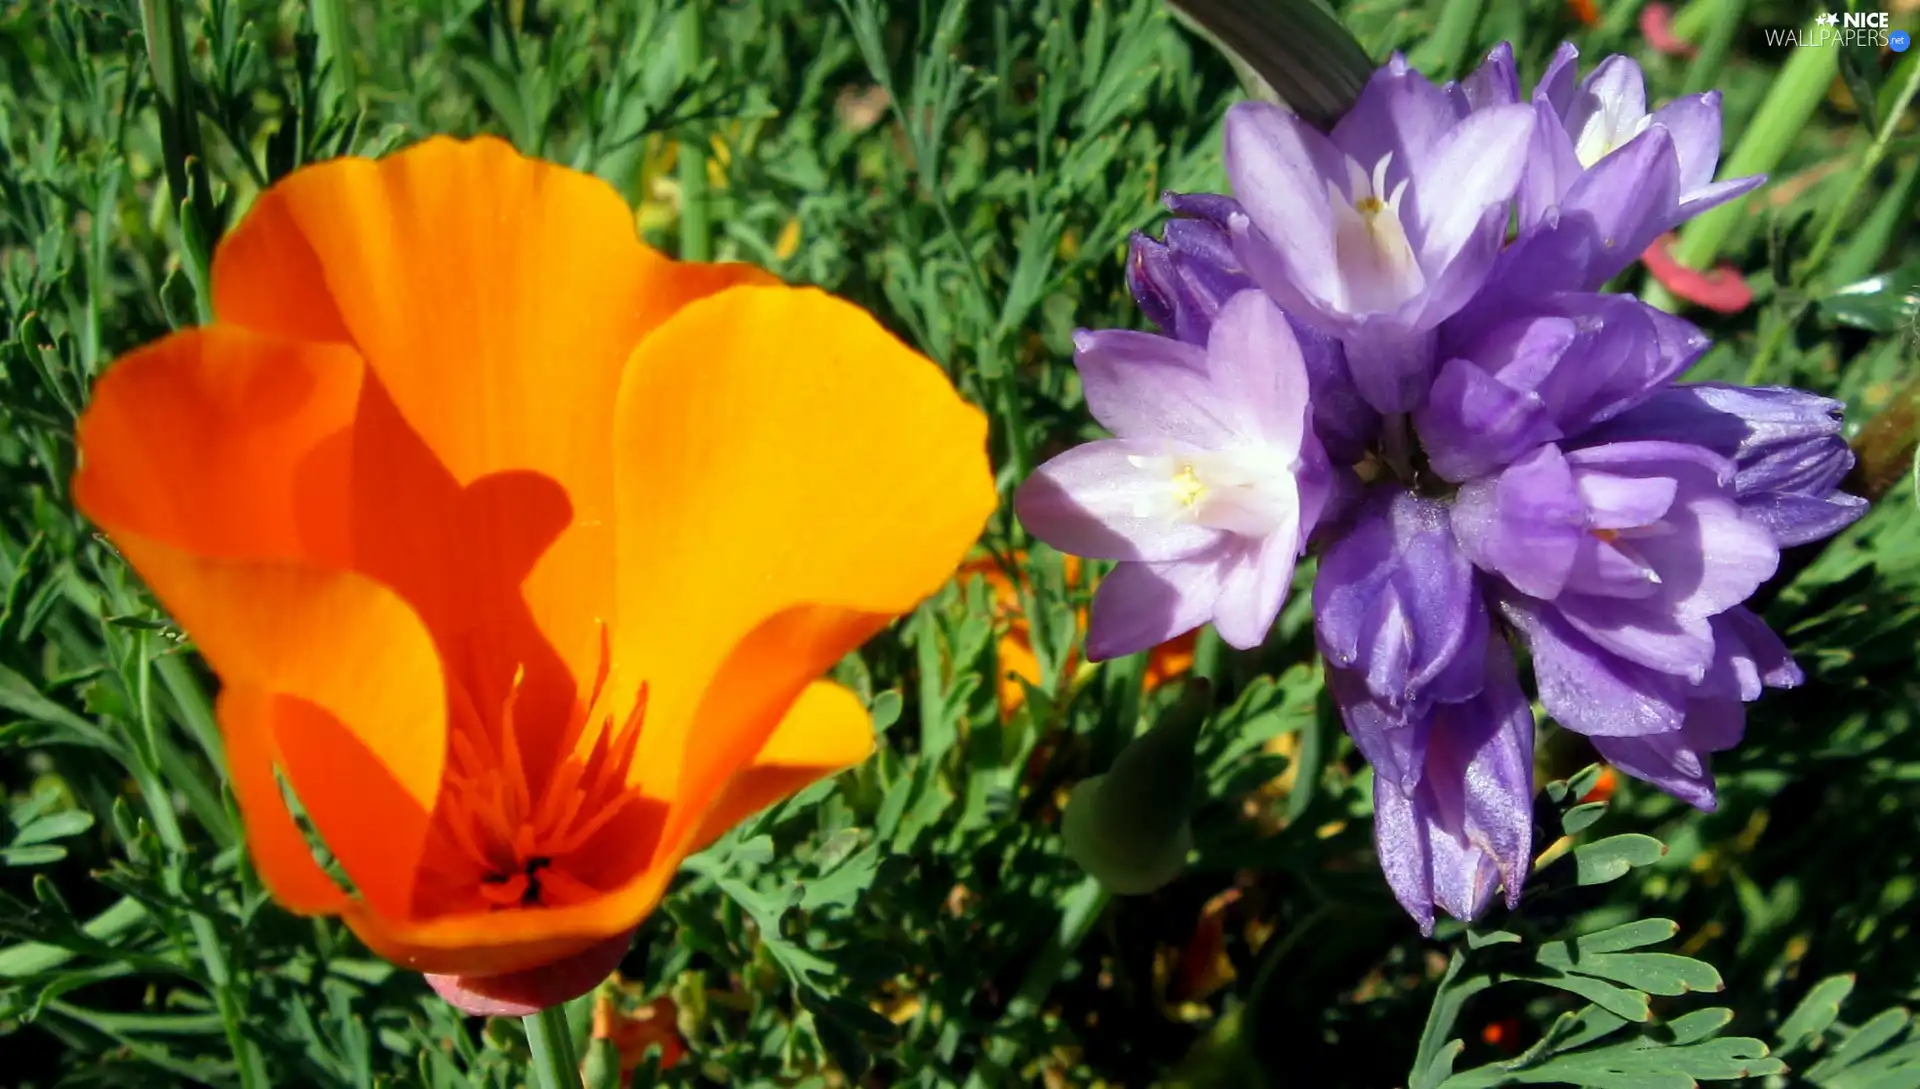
x: 1015, y: 648
x: 634, y: 1034
x: 1603, y: 786
x: 519, y: 549
x: 1503, y: 1034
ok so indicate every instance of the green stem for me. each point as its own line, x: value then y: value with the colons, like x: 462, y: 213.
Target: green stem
x: 551, y: 1042
x: 1693, y: 20
x: 1775, y: 337
x: 1013, y: 414
x: 32, y: 958
x: 1790, y: 103
x: 1078, y: 912
x: 333, y: 24
x: 187, y: 182
x: 1830, y: 232
x: 696, y: 233
x: 1279, y: 947
x: 937, y: 730
x: 1210, y: 656
x: 1715, y: 44
x: 1863, y: 252
x: 166, y: 826
x: 1448, y: 999
x: 1440, y: 55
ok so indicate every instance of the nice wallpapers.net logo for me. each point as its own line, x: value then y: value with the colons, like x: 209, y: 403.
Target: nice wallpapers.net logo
x: 1871, y: 29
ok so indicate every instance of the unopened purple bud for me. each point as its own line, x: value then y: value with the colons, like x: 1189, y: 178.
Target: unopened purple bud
x: 1397, y: 603
x: 1467, y: 827
x: 1786, y: 446
x: 1182, y: 282
x: 1150, y: 277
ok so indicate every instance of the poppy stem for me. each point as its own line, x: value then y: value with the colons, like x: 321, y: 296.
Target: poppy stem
x: 551, y: 1042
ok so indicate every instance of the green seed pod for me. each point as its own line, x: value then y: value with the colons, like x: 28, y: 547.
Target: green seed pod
x: 1129, y: 827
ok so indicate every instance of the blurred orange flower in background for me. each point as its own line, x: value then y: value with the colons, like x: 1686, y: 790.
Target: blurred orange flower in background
x: 1015, y: 647
x: 1603, y: 786
x: 483, y: 512
x: 632, y: 1035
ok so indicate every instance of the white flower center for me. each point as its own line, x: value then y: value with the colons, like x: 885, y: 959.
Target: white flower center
x: 1377, y: 263
x: 1605, y: 130
x: 1248, y: 490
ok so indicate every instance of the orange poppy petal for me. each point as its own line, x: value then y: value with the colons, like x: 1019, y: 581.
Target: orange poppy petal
x: 224, y: 443
x: 794, y: 477
x: 353, y: 802
x: 498, y: 299
x: 809, y: 479
x: 274, y: 842
x: 826, y: 731
x: 217, y: 462
x: 359, y: 656
x: 509, y: 941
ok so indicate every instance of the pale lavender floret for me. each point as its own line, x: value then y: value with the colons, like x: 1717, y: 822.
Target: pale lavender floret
x: 1379, y: 231
x: 1399, y: 614
x: 1182, y: 283
x: 1206, y: 494
x: 1605, y: 177
x: 1609, y: 107
x: 1637, y: 545
x: 1543, y: 370
x: 1786, y: 445
x: 1467, y: 826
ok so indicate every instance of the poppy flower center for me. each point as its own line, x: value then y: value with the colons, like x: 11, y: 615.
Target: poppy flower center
x: 510, y: 837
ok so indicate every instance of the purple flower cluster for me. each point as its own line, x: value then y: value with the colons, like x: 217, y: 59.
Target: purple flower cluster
x: 1360, y: 352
